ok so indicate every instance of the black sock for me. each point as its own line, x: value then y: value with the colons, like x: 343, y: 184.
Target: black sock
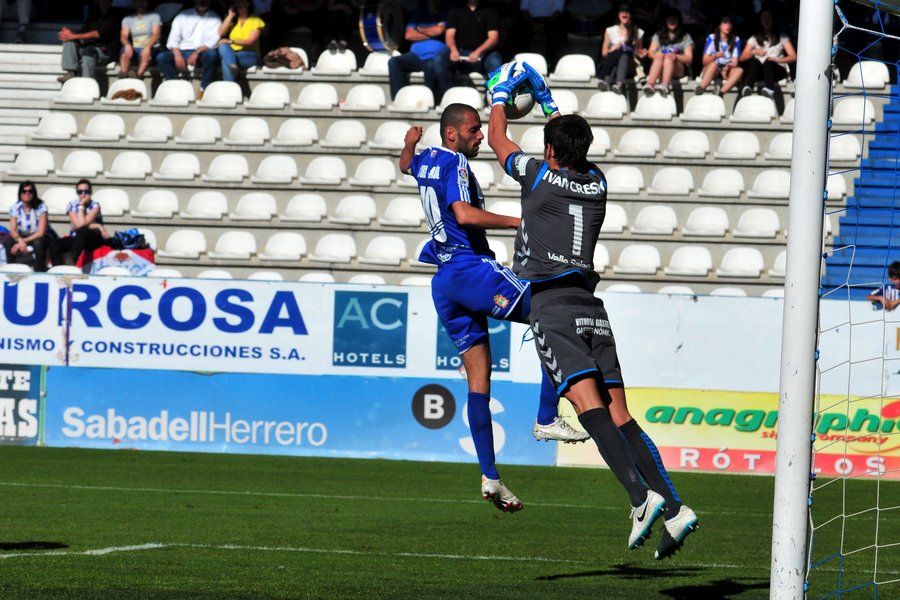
x: 651, y: 466
x: 614, y: 450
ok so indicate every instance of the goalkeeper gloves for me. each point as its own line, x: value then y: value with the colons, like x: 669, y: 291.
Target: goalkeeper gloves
x: 541, y: 92
x: 506, y: 86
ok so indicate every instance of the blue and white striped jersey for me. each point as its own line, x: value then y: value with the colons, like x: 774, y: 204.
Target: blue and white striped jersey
x: 714, y: 44
x: 27, y: 220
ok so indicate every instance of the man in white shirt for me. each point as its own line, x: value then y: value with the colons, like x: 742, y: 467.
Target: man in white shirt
x: 192, y: 40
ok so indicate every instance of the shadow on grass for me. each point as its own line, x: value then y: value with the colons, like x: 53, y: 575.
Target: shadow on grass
x: 32, y: 545
x: 720, y: 588
x: 627, y: 572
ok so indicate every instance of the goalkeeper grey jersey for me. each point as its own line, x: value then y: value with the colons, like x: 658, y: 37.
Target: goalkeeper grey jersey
x: 562, y: 212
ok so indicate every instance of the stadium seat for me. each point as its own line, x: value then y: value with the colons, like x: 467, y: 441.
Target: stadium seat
x: 403, y: 211
x: 15, y: 269
x: 78, y: 90
x: 638, y: 143
x: 638, y: 259
x: 532, y: 141
x: 655, y: 220
x: 221, y: 94
x: 843, y: 148
x: 248, y: 131
x: 508, y: 184
x: 389, y: 135
x: 364, y: 97
x: 376, y: 65
x: 738, y: 145
x: 275, y: 169
x: 773, y: 293
x: 676, y: 290
x: 265, y: 276
x: 174, y: 93
x: 780, y: 147
x: 672, y: 181
x: 309, y: 208
x: 498, y: 247
x: 335, y: 63
x: 787, y: 117
x: 165, y: 273
x: 334, y: 248
x: 417, y: 281
x: 706, y: 221
x: 120, y: 85
x: 67, y: 270
x: 296, y: 132
x: 566, y: 100
x: 384, y: 250
x: 412, y: 99
x: 854, y: 111
x: 836, y: 186
x: 33, y: 162
x: 732, y: 292
x: 771, y: 183
x: 9, y: 195
x: 690, y: 261
x: 103, y: 128
x: 509, y: 208
x: 56, y: 199
x: 200, y: 130
x: 354, y: 210
x: 725, y: 183
x: 316, y: 96
x: 130, y: 165
x: 81, y: 163
x: 374, y: 172
x: 207, y: 205
x: 623, y: 288
x: 689, y: 143
x: 655, y: 108
x: 254, y: 206
x: 462, y: 95
x: 600, y: 146
x: 867, y: 75
x: 624, y: 179
x: 537, y: 61
x: 757, y: 223
x: 345, y: 133
x: 178, y: 166
x: 184, y: 243
x: 573, y: 68
x: 214, y: 274
x: 151, y: 129
x: 317, y: 277
x: 615, y: 220
x: 324, y: 170
x: 114, y: 202
x: 287, y: 70
x: 284, y: 245
x: 156, y: 204
x: 234, y: 245
x: 741, y: 262
x: 149, y: 237
x: 754, y: 109
x: 56, y: 126
x: 227, y: 168
x: 778, y: 268
x: 601, y: 258
x: 430, y: 137
x: 606, y: 105
x: 268, y: 95
x: 366, y: 279
x: 483, y: 172
x: 706, y: 108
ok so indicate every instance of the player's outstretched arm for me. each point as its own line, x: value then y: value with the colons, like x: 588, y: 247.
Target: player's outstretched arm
x: 470, y: 216
x: 409, y: 148
x: 497, y: 138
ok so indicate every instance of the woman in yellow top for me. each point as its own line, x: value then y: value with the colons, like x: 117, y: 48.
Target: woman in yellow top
x: 240, y: 49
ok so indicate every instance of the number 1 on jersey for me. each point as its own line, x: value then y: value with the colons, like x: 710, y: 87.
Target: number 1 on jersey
x: 577, y: 211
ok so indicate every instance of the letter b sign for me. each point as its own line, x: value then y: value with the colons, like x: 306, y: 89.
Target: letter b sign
x: 433, y: 406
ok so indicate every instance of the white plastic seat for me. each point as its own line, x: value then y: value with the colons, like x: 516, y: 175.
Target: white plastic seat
x: 731, y: 292
x: 566, y: 101
x: 574, y: 68
x: 286, y: 70
x: 365, y: 97
x: 623, y: 288
x: 853, y: 110
x: 430, y: 137
x: 200, y: 130
x: 306, y: 207
x: 324, y: 170
x: 15, y: 269
x: 119, y: 85
x: 81, y: 163
x: 724, y: 183
x: 624, y: 179
x: 178, y: 166
x: 780, y: 265
x: 334, y: 248
x: 78, y: 90
x: 600, y: 145
x: 412, y: 99
x: 483, y: 172
x: 844, y: 148
x: 601, y: 258
x: 509, y: 208
x: 255, y: 206
x: 335, y: 63
x: 156, y: 204
x: 780, y: 147
x: 836, y: 186
x: 537, y: 61
x: 103, y: 128
x: 214, y: 274
x: 174, y: 92
x: 773, y: 293
x: 689, y: 143
x: 165, y: 273
x: 462, y: 95
x: 56, y: 126
x: 389, y: 135
x: 221, y: 94
x: 376, y: 65
x: 35, y: 162
x: 284, y: 245
x: 655, y: 220
x: 57, y: 199
x: 787, y: 117
x: 207, y: 205
x: 706, y: 108
x: 265, y: 276
x: 374, y: 172
x: 367, y: 279
x: 771, y: 183
x: 507, y: 183
x: 606, y: 105
x: 130, y: 165
x: 690, y: 261
x: 417, y: 281
x: 758, y: 223
x: 754, y: 109
x: 384, y: 250
x: 638, y: 143
x: 706, y: 221
x: 532, y: 141
x: 268, y: 95
x: 356, y: 209
x: 69, y: 270
x: 149, y: 237
x: 501, y: 253
x: 672, y: 181
x: 741, y: 262
x: 317, y: 277
x: 184, y: 243
x: 9, y: 195
x: 234, y: 245
x: 868, y: 75
x: 638, y: 259
x: 615, y: 219
x: 403, y: 211
x: 276, y: 169
x: 227, y: 168
x: 248, y: 131
x: 655, y: 108
x: 738, y: 145
x: 345, y: 133
x: 113, y: 201
x: 316, y: 96
x: 676, y: 290
x: 296, y: 132
x: 151, y: 129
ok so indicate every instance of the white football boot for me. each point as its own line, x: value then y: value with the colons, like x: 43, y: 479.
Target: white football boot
x: 643, y: 517
x: 495, y: 492
x: 676, y: 530
x: 560, y: 431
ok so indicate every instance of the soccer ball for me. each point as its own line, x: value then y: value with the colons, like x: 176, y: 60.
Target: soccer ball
x: 521, y: 101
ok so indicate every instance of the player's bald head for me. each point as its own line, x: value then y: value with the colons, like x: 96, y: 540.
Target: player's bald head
x: 569, y: 137
x: 461, y: 129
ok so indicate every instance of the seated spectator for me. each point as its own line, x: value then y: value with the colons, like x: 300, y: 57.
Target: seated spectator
x: 765, y: 57
x: 889, y: 296
x: 472, y: 34
x: 193, y: 39
x: 543, y: 27
x: 720, y: 55
x: 622, y: 43
x: 28, y: 229
x: 427, y: 53
x: 93, y: 46
x: 140, y: 40
x: 24, y: 9
x: 672, y: 51
x: 86, y: 228
x: 239, y: 48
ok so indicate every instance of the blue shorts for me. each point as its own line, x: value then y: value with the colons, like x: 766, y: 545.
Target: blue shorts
x: 467, y: 292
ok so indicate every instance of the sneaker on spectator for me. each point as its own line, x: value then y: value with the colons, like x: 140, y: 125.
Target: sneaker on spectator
x: 699, y: 90
x: 662, y: 89
x: 618, y: 88
x: 66, y: 76
x: 768, y: 92
x: 342, y: 45
x: 746, y: 91
x: 603, y: 85
x: 20, y: 37
x: 648, y: 90
x: 333, y: 46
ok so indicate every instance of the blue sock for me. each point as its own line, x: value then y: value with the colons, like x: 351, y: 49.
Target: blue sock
x: 548, y: 408
x: 480, y: 425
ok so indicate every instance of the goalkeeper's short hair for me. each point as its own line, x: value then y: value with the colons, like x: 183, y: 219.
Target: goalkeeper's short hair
x: 570, y: 137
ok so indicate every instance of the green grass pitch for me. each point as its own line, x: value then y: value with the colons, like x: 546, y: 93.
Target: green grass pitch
x: 118, y: 524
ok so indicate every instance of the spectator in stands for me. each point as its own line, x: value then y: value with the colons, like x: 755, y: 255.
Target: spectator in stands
x: 427, y: 52
x: 140, y: 40
x: 720, y: 55
x: 543, y: 27
x: 93, y: 46
x: 765, y: 57
x: 193, y: 39
x: 86, y: 227
x: 24, y: 9
x: 889, y: 296
x: 672, y: 51
x: 622, y: 43
x: 239, y: 46
x: 472, y: 35
x: 28, y: 228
